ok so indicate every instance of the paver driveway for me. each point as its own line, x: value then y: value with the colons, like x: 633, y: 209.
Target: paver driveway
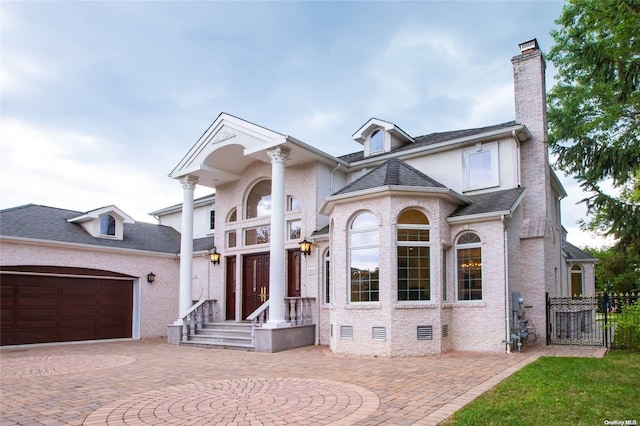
x: 152, y: 383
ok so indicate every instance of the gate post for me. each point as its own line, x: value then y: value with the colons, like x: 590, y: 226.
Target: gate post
x: 605, y: 309
x: 548, y: 305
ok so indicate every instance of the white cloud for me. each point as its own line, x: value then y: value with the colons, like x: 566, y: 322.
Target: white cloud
x: 75, y: 171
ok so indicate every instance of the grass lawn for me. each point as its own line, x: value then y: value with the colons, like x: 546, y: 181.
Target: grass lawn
x: 562, y: 391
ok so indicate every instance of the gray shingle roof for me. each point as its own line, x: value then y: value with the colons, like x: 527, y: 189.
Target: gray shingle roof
x: 497, y: 201
x: 50, y: 223
x: 574, y: 253
x: 433, y: 138
x: 391, y: 172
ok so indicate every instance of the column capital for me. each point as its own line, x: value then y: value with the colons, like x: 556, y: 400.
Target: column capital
x: 279, y: 154
x: 188, y: 182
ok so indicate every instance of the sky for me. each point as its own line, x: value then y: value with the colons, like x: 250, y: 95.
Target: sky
x: 100, y: 100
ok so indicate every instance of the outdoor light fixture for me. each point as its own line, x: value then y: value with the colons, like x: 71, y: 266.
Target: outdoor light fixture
x: 305, y: 247
x: 214, y: 256
x: 151, y: 277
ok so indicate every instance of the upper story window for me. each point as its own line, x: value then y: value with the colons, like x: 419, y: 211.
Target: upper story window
x: 259, y: 200
x: 469, y: 266
x: 480, y: 166
x: 364, y: 259
x: 107, y: 225
x: 376, y: 141
x: 233, y: 215
x: 212, y: 220
x: 293, y: 204
x: 414, y: 256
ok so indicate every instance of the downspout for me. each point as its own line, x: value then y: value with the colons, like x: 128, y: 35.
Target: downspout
x: 506, y: 287
x: 515, y: 138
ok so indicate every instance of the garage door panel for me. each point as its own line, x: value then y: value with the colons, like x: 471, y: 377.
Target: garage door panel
x: 38, y: 309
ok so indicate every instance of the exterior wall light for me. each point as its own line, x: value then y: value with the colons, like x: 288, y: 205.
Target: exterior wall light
x: 214, y: 256
x: 305, y: 247
x: 151, y: 277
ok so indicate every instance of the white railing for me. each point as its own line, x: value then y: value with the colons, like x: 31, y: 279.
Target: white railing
x: 298, y: 311
x: 199, y: 313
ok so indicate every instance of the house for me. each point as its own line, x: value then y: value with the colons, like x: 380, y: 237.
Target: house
x: 420, y: 244
x: 70, y: 276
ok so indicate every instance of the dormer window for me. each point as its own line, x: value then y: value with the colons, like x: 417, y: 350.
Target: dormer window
x: 376, y: 141
x: 108, y: 225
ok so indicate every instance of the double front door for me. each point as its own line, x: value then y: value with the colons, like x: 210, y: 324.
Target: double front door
x: 255, y: 277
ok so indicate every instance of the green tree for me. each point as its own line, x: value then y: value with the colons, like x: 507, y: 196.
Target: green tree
x: 617, y: 270
x: 594, y: 111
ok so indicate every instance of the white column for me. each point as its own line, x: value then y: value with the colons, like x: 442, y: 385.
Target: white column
x: 277, y: 260
x: 186, y: 244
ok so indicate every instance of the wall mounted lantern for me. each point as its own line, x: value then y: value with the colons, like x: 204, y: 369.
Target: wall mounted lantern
x: 214, y: 256
x: 305, y: 247
x: 151, y: 277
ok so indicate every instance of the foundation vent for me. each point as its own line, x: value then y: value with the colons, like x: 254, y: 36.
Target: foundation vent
x: 379, y: 333
x: 346, y: 332
x: 445, y: 330
x: 425, y: 332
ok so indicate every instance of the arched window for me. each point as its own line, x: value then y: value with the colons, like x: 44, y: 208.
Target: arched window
x: 376, y: 141
x: 327, y: 278
x: 107, y: 225
x: 414, y: 256
x: 364, y: 258
x: 259, y: 200
x: 576, y: 280
x: 469, y: 266
x: 232, y: 216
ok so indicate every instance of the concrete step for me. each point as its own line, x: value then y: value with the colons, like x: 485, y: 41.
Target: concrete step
x: 212, y: 345
x: 223, y: 335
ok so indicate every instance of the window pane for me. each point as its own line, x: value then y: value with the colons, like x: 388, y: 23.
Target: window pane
x: 257, y: 235
x: 413, y: 217
x: 212, y: 219
x: 413, y: 234
x: 327, y: 279
x: 365, y: 275
x: 294, y: 205
x: 469, y: 274
x: 259, y: 200
x: 365, y: 221
x: 376, y: 142
x: 368, y: 238
x: 414, y: 274
x: 295, y: 227
x: 233, y: 216
x: 107, y: 225
x: 480, y: 168
x: 231, y: 239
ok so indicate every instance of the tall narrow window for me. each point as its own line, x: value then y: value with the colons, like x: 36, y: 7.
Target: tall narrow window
x: 259, y: 200
x: 107, y: 225
x: 212, y: 219
x: 414, y: 256
x: 469, y: 266
x: 364, y: 258
x: 376, y: 141
x: 576, y: 280
x: 327, y: 278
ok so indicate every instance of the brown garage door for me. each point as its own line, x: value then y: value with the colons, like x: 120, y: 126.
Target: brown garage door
x: 41, y: 308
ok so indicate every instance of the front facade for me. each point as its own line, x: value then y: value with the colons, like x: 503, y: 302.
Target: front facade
x: 418, y: 243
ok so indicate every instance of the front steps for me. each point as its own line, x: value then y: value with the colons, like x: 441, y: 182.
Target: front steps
x: 223, y: 335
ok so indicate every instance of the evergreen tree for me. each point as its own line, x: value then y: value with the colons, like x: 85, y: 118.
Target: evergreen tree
x: 594, y: 111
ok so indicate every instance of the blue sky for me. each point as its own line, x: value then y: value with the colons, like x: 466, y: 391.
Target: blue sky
x: 100, y: 100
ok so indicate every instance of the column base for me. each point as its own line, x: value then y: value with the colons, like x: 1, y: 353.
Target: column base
x: 276, y: 324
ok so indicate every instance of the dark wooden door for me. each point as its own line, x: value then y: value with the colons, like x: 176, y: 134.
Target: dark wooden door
x: 231, y: 288
x: 293, y: 273
x: 255, y: 288
x: 41, y: 309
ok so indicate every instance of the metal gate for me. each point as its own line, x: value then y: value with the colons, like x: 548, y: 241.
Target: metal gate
x: 591, y: 321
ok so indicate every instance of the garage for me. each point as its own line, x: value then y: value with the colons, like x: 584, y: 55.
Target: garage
x: 57, y: 304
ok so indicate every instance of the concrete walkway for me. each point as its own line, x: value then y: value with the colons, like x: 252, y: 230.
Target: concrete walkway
x: 152, y: 383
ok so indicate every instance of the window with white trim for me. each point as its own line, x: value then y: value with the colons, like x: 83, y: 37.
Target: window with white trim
x: 576, y: 280
x: 469, y: 267
x: 259, y: 200
x: 413, y: 256
x: 376, y: 141
x: 364, y: 259
x: 107, y: 225
x: 480, y: 166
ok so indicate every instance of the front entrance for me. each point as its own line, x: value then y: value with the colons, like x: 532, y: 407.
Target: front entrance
x: 255, y: 290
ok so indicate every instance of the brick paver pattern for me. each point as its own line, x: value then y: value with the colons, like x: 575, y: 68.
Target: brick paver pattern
x: 152, y: 383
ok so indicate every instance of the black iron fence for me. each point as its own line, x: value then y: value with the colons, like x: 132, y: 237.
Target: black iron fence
x: 608, y: 319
